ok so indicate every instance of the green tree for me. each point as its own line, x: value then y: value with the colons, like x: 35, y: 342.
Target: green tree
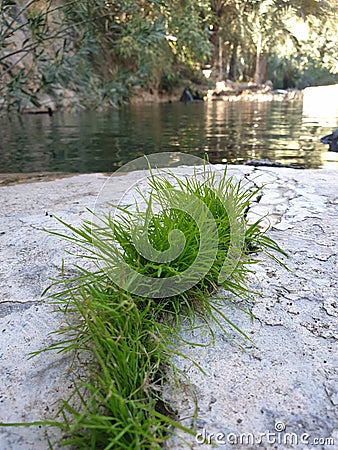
x: 105, y: 50
x: 270, y: 26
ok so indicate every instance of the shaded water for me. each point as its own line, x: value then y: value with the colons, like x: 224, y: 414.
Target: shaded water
x: 228, y: 132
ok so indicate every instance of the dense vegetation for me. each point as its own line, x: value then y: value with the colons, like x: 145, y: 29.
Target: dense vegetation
x: 101, y: 51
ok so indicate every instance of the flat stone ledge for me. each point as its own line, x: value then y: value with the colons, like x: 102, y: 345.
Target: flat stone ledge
x: 289, y: 375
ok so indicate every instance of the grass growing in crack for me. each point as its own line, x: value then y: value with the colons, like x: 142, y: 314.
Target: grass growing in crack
x: 130, y: 337
x: 118, y: 407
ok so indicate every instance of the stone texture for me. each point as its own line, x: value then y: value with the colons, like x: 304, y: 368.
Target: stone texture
x: 288, y: 374
x: 288, y: 377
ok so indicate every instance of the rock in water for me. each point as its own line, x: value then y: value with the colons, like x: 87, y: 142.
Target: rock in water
x: 331, y: 140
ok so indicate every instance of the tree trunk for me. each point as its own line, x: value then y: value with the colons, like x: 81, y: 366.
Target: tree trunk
x: 260, y: 76
x: 233, y: 62
x: 261, y: 68
x: 220, y: 57
x: 258, y: 60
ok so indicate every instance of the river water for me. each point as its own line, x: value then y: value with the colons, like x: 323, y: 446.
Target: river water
x: 229, y: 132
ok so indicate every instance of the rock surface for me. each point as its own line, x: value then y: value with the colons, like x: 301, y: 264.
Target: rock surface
x: 287, y: 380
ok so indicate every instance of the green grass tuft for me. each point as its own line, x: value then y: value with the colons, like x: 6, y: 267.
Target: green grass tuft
x: 129, y: 330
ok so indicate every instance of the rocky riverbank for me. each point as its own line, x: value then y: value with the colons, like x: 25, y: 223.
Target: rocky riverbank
x: 287, y: 377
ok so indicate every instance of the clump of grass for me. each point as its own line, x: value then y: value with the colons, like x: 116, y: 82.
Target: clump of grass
x: 127, y: 312
x: 210, y: 209
x: 117, y: 408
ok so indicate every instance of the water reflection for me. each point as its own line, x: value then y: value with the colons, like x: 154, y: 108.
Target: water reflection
x: 228, y: 132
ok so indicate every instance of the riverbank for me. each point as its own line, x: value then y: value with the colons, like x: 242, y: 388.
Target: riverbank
x: 289, y: 376
x: 7, y: 179
x: 223, y: 91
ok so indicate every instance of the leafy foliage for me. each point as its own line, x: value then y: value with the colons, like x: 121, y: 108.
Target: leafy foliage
x: 104, y: 51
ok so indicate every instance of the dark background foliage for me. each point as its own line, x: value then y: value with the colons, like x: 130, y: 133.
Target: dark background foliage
x: 103, y: 51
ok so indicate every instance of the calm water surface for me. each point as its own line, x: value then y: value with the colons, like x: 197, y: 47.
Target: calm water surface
x: 227, y: 132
